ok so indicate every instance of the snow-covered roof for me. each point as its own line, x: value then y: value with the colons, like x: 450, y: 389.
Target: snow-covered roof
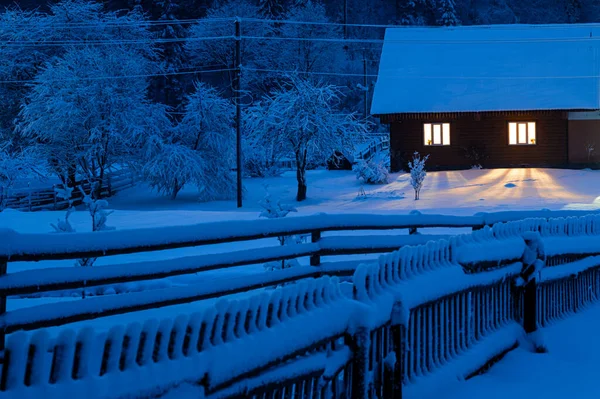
x: 489, y: 68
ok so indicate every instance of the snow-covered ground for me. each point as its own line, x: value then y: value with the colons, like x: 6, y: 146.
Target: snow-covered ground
x: 568, y: 370
x: 455, y: 193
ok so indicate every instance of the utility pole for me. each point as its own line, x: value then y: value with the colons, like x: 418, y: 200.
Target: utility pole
x: 366, y: 86
x: 238, y: 113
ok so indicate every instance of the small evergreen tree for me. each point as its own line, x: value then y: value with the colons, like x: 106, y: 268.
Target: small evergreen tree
x: 447, y: 13
x: 417, y: 172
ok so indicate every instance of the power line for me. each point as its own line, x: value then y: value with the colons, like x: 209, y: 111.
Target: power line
x: 117, y: 23
x: 422, y: 41
x: 283, y: 38
x: 59, y: 43
x: 413, y: 27
x: 121, y: 76
x: 292, y: 72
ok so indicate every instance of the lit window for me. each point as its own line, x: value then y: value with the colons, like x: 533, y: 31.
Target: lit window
x: 436, y: 133
x: 521, y: 133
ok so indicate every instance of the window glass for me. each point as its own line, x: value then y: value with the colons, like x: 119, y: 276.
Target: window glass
x: 446, y: 133
x: 428, y: 136
x: 437, y: 134
x: 522, y: 133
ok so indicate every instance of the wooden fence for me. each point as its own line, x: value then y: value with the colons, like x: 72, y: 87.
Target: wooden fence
x: 419, y: 313
x: 418, y: 310
x: 35, y: 199
x: 16, y: 247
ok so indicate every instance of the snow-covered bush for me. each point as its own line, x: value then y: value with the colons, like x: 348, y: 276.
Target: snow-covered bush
x: 260, y: 156
x: 64, y: 226
x: 199, y: 150
x: 14, y: 166
x: 273, y: 209
x: 301, y: 117
x: 171, y: 166
x: 373, y: 171
x: 97, y: 211
x: 417, y: 172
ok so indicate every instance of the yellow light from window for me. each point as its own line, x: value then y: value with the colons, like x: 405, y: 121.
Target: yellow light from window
x: 446, y: 133
x: 437, y: 134
x: 512, y: 133
x: 522, y: 133
x: 427, y: 130
x: 531, y: 132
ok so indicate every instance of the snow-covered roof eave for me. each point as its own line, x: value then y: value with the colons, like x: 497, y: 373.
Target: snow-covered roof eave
x: 490, y: 68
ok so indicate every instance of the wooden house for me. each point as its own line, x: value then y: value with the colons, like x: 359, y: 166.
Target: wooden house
x: 498, y: 96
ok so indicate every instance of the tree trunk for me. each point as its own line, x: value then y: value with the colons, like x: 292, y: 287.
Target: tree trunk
x: 301, y: 174
x: 71, y: 176
x: 175, y: 190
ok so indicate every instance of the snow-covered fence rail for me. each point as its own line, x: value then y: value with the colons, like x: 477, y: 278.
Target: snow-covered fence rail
x: 35, y: 199
x: 444, y: 309
x: 376, y: 144
x: 39, y: 247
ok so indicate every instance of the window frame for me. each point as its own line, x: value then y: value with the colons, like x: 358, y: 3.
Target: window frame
x: 441, y: 125
x: 526, y: 123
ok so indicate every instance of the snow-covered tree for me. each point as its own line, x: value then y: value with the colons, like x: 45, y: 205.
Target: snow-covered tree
x: 447, y: 13
x: 417, y: 172
x: 200, y: 150
x: 90, y: 110
x: 373, y: 171
x: 308, y: 55
x: 271, y: 8
x: 169, y: 89
x: 220, y: 22
x: 15, y: 165
x: 273, y: 209
x: 301, y: 117
x: 573, y: 11
x: 407, y: 12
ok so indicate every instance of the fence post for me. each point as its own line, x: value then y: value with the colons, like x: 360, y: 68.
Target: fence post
x: 315, y: 259
x: 398, y: 348
x: 360, y: 345
x: 3, y: 270
x: 532, y: 263
x: 29, y: 197
x: 530, y: 306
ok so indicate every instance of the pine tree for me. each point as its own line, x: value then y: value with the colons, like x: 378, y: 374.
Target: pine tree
x: 447, y: 14
x: 573, y: 11
x: 169, y: 89
x: 271, y: 8
x: 406, y: 12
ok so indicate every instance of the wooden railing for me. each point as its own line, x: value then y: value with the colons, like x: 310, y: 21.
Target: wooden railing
x: 16, y: 247
x: 419, y: 313
x: 35, y: 199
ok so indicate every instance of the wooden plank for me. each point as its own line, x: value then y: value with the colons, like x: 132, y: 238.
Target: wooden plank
x: 57, y: 314
x: 41, y: 280
x: 19, y: 247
